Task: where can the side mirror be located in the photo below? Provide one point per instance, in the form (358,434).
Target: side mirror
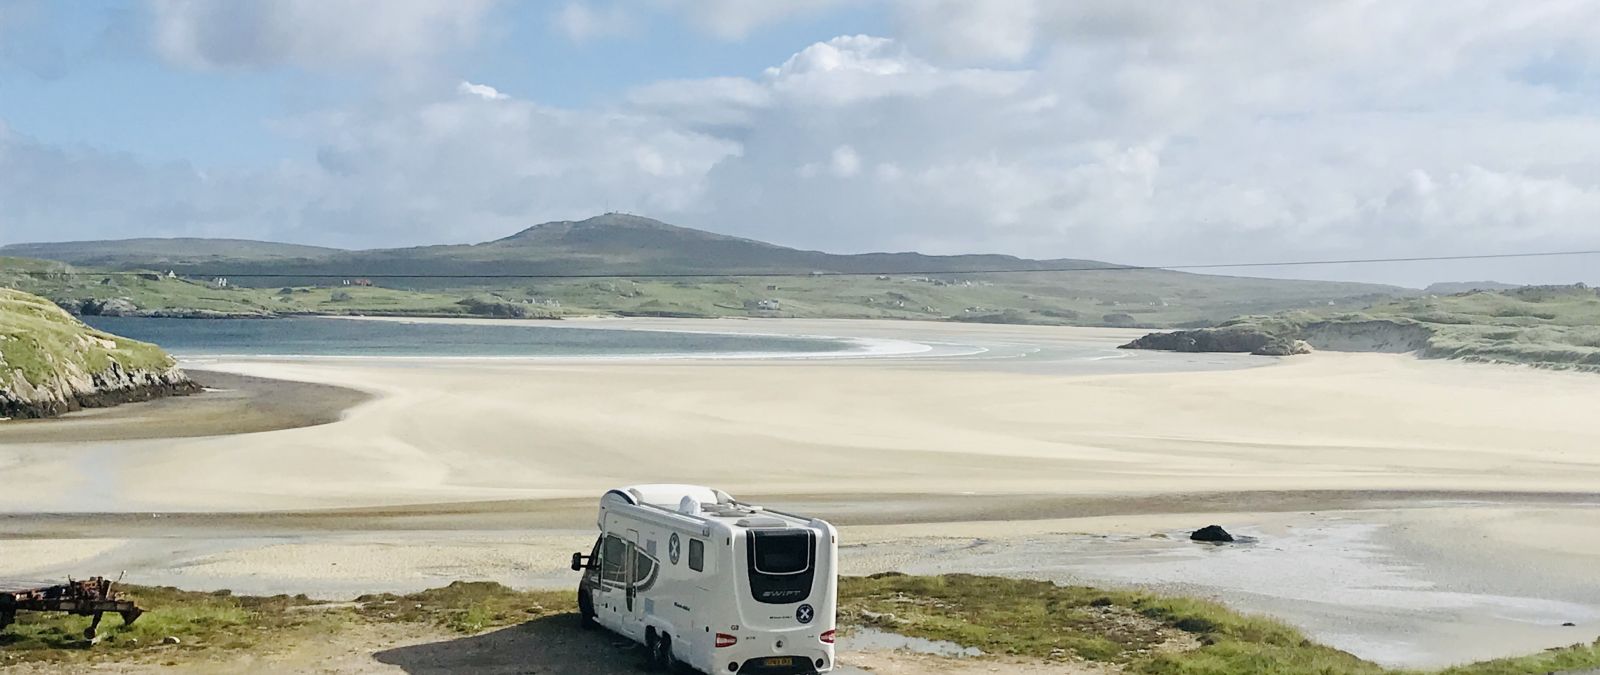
(580,562)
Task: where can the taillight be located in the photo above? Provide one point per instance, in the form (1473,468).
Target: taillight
(726,640)
(827,636)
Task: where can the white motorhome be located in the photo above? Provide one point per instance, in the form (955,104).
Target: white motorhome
(703,580)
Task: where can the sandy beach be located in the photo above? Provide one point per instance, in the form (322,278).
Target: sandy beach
(1471,485)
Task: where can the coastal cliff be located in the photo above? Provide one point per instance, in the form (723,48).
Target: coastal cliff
(51,363)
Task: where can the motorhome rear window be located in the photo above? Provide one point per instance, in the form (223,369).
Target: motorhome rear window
(781,565)
(697,555)
(782,551)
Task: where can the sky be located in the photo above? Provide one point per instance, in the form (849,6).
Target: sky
(1136,132)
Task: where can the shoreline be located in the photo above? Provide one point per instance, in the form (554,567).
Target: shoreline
(225,404)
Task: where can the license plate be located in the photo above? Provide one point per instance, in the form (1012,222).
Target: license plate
(778,661)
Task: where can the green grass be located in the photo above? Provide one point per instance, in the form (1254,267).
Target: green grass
(467,607)
(1139,632)
(42,341)
(200,621)
(1133,631)
(1545,326)
(1149,297)
(206,623)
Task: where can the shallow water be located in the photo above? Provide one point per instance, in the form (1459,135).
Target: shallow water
(1342,579)
(305,336)
(872,639)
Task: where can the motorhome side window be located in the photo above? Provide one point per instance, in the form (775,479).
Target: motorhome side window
(697,555)
(644,570)
(613,556)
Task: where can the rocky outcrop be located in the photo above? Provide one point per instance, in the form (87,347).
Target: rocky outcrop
(126,307)
(1287,338)
(74,390)
(494,307)
(191,313)
(1235,339)
(51,363)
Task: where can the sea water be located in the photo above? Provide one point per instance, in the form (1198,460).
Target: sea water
(310,336)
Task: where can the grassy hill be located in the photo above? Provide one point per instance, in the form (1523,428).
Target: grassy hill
(611,243)
(87,291)
(871,285)
(152,253)
(52,363)
(1545,326)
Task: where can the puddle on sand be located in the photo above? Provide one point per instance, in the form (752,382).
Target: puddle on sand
(872,639)
(1338,579)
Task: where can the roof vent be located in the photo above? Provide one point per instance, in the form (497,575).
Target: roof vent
(760,521)
(689,506)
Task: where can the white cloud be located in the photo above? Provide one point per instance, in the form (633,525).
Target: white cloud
(736,19)
(1130,132)
(311,34)
(1127,150)
(582,21)
(716,101)
(990,30)
(854,68)
(482,91)
(846,163)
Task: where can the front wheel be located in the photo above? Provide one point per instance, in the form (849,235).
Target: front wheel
(586,610)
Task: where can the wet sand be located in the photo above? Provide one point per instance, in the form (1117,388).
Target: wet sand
(230,404)
(1040,452)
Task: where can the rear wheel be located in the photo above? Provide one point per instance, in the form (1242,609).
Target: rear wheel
(661,654)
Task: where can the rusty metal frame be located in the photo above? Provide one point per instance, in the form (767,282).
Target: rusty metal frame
(92,597)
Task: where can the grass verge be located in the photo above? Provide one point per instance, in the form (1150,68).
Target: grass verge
(1131,631)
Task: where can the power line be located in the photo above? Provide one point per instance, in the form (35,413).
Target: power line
(723,275)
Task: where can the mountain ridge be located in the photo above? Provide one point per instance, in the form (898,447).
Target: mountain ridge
(613,243)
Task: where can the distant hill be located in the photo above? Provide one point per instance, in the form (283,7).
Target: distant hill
(1454,287)
(155,252)
(577,267)
(613,243)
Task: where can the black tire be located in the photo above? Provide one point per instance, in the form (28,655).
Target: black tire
(586,611)
(661,655)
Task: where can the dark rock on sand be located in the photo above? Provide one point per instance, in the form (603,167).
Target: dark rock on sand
(1211,533)
(1239,339)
